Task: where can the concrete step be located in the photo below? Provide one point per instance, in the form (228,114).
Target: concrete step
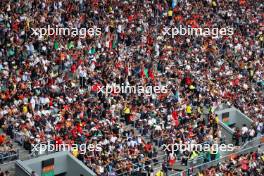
(156,166)
(23,154)
(10,167)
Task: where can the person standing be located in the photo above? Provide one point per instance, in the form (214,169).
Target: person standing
(244,133)
(82,77)
(236,137)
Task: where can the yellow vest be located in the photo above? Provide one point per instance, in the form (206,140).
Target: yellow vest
(170,13)
(262,157)
(159,173)
(127,110)
(217,119)
(25,109)
(194,155)
(191,87)
(75,152)
(261,38)
(189,109)
(200,174)
(214,4)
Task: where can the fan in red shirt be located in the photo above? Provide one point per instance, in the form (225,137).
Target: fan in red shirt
(2,139)
(148,147)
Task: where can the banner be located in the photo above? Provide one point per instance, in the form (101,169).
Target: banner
(225,118)
(48,167)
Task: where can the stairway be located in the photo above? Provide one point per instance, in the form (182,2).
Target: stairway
(161,154)
(23,154)
(10,167)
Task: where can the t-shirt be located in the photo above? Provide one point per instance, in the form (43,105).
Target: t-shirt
(194,155)
(159,173)
(170,13)
(126,110)
(148,147)
(189,109)
(25,109)
(75,152)
(2,139)
(244,130)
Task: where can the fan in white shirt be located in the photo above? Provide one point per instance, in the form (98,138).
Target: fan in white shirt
(244,129)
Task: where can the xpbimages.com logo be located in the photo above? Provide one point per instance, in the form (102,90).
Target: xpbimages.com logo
(127,89)
(214,32)
(50,147)
(73,32)
(213,148)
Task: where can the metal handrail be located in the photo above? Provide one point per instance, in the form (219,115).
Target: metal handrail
(211,163)
(9,157)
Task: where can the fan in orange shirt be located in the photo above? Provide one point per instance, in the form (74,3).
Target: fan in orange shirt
(242,2)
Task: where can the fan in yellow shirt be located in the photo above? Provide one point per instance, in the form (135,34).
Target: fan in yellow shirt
(214,4)
(75,152)
(25,109)
(200,174)
(194,155)
(159,173)
(217,119)
(188,109)
(170,12)
(126,110)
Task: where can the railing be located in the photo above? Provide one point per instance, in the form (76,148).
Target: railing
(199,161)
(203,166)
(253,142)
(159,159)
(135,165)
(8,156)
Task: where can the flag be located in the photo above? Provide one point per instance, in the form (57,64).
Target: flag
(70,45)
(142,73)
(110,44)
(92,51)
(146,73)
(56,45)
(114,45)
(151,74)
(175,118)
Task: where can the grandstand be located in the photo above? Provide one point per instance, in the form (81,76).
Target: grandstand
(121,82)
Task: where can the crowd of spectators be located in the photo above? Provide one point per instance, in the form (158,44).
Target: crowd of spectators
(49,84)
(247,164)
